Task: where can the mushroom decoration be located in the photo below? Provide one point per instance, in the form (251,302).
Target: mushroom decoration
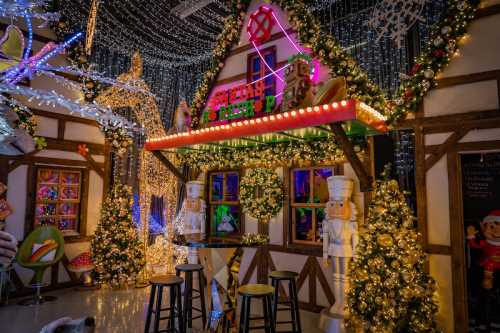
(83,264)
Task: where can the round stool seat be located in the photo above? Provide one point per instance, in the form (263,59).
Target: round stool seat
(283,275)
(255,290)
(166,280)
(188,267)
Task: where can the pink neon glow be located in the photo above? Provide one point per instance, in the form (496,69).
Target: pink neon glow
(265,62)
(315,73)
(286,34)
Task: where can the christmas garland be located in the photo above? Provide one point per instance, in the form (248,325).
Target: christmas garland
(301,153)
(119,139)
(442,45)
(326,48)
(27,121)
(263,207)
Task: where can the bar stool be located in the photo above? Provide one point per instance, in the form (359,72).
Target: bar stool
(292,302)
(173,283)
(187,304)
(263,292)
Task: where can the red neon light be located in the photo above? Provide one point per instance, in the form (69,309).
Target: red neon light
(260,25)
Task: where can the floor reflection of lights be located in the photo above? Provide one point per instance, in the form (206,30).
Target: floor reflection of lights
(116,311)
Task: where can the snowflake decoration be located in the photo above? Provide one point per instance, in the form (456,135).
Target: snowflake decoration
(393,18)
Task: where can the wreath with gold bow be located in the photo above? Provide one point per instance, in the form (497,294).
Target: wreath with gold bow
(261,194)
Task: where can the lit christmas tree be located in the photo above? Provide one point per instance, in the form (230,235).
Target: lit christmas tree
(389,290)
(116,249)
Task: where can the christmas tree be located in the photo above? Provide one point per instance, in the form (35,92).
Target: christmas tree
(390,290)
(116,249)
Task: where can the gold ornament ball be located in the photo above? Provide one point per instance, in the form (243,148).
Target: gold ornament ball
(385,240)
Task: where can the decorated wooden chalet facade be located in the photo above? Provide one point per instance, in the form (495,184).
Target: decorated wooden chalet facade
(62,184)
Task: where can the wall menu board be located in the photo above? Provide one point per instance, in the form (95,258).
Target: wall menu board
(481,196)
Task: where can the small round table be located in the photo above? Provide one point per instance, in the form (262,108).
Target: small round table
(220,263)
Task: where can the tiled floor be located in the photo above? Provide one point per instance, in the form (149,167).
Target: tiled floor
(121,311)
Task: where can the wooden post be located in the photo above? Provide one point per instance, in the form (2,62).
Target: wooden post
(169,165)
(365,181)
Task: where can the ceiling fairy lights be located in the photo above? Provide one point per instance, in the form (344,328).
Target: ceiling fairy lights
(163,37)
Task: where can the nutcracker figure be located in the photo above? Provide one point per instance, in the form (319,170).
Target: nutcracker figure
(192,214)
(340,235)
(490,246)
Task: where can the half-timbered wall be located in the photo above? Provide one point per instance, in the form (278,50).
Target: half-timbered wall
(63,133)
(460,115)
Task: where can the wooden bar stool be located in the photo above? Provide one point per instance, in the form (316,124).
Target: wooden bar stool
(173,283)
(291,303)
(187,304)
(263,292)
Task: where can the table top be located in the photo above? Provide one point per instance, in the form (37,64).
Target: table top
(209,242)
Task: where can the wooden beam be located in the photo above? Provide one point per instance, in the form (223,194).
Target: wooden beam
(457,240)
(466,79)
(365,180)
(438,249)
(72,146)
(487,11)
(66,117)
(421,184)
(439,124)
(61,128)
(98,168)
(445,147)
(169,165)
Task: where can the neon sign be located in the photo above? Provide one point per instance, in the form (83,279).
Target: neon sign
(244,100)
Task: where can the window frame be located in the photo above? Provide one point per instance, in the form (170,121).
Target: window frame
(82,202)
(263,69)
(211,204)
(337,169)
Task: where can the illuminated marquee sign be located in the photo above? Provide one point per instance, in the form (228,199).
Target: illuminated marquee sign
(238,102)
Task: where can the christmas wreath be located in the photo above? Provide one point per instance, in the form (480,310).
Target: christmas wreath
(261,194)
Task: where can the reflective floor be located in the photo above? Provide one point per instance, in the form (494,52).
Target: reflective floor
(121,311)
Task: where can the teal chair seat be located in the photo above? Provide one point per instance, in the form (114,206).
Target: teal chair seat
(38,236)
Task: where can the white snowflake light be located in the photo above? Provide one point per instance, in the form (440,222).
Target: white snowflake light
(393,18)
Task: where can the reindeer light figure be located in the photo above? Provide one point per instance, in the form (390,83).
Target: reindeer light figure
(154,178)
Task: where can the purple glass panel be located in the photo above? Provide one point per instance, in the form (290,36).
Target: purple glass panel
(69,192)
(48,209)
(47,192)
(217,187)
(304,224)
(72,178)
(67,224)
(301,186)
(231,192)
(48,176)
(68,209)
(321,185)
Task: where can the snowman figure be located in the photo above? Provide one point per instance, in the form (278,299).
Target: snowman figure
(192,215)
(340,235)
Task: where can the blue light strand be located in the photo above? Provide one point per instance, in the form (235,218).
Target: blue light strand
(29,25)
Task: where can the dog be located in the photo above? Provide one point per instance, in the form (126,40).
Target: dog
(69,325)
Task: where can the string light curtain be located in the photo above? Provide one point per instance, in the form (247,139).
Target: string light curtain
(383,61)
(177,51)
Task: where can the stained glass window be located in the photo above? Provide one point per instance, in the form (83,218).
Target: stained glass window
(58,198)
(309,196)
(224,204)
(257,69)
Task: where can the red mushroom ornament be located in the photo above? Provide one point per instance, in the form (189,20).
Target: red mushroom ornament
(83,264)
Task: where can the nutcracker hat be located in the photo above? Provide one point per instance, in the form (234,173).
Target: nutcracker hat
(195,187)
(493,216)
(340,187)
